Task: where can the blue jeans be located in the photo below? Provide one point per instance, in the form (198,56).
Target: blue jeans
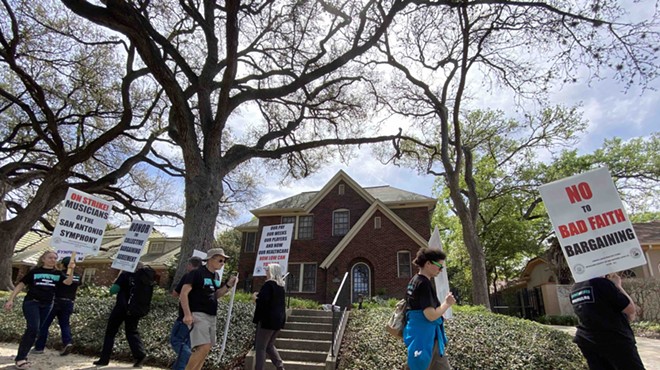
(35,313)
(62,309)
(180,341)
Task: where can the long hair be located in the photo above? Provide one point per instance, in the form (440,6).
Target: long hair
(40,262)
(275,272)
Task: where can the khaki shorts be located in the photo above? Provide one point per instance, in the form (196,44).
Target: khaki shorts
(203,330)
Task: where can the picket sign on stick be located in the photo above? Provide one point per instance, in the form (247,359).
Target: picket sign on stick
(231,306)
(69,270)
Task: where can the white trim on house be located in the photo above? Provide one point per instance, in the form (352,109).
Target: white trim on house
(341,175)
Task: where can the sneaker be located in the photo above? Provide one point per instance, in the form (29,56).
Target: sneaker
(101,363)
(138,363)
(66,350)
(37,351)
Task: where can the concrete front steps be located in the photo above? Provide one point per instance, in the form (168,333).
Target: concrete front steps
(304,343)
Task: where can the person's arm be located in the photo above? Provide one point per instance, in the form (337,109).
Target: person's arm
(17,289)
(433,314)
(185,304)
(225,288)
(630,310)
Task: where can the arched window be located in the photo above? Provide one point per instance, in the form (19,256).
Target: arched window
(627,274)
(360,281)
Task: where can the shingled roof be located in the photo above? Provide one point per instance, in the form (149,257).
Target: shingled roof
(648,232)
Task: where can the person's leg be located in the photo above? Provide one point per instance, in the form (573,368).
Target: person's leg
(595,360)
(64,320)
(180,341)
(439,362)
(115,319)
(32,310)
(272,351)
(40,344)
(198,356)
(625,357)
(133,338)
(260,343)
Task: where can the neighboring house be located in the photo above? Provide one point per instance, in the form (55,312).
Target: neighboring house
(96,269)
(541,295)
(373,233)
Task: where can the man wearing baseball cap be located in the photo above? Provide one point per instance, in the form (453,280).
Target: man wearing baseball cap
(199,301)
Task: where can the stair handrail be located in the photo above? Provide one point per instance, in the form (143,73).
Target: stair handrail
(341,307)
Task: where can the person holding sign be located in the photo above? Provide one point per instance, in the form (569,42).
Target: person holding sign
(424,333)
(41,283)
(130,288)
(62,309)
(199,301)
(270,317)
(604,335)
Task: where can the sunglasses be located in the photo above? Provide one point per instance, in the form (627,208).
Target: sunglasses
(440,265)
(220,260)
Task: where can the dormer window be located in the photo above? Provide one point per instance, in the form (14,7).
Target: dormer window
(156,247)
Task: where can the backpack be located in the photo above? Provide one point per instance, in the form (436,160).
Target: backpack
(141,290)
(397,321)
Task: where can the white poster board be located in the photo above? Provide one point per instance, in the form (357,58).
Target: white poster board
(592,227)
(132,246)
(81,223)
(442,280)
(274,246)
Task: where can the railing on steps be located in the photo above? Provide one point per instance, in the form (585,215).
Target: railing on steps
(339,306)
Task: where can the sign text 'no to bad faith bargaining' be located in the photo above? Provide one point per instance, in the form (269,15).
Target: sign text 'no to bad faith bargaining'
(591,225)
(81,223)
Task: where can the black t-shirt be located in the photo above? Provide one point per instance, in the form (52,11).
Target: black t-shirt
(68,291)
(178,291)
(420,293)
(41,283)
(202,295)
(123,281)
(598,304)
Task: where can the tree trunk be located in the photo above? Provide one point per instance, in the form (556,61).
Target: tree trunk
(477,264)
(203,195)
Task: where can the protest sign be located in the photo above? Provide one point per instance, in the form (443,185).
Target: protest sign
(273,247)
(61,253)
(592,227)
(131,247)
(442,280)
(81,223)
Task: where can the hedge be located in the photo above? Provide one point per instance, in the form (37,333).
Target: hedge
(477,340)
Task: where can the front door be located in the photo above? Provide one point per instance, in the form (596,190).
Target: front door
(360,282)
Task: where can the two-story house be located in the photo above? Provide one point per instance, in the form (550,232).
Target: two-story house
(373,233)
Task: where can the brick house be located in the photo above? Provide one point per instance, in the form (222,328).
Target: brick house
(159,252)
(372,233)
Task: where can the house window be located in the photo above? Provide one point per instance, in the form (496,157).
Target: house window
(88,275)
(340,222)
(403,261)
(250,241)
(306,227)
(361,279)
(156,247)
(376,222)
(341,189)
(301,278)
(289,220)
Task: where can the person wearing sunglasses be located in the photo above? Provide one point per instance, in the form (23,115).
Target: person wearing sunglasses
(199,300)
(424,332)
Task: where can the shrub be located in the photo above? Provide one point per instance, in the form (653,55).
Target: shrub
(478,339)
(565,320)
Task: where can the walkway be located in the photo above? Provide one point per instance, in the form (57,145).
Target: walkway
(649,349)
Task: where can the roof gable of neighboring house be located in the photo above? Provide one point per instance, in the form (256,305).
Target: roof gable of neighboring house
(376,206)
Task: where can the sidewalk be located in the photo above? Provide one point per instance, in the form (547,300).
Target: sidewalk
(51,360)
(649,349)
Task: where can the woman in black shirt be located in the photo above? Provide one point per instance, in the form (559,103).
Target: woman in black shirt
(41,282)
(270,316)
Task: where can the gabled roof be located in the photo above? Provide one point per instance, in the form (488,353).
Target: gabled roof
(305,202)
(377,205)
(648,232)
